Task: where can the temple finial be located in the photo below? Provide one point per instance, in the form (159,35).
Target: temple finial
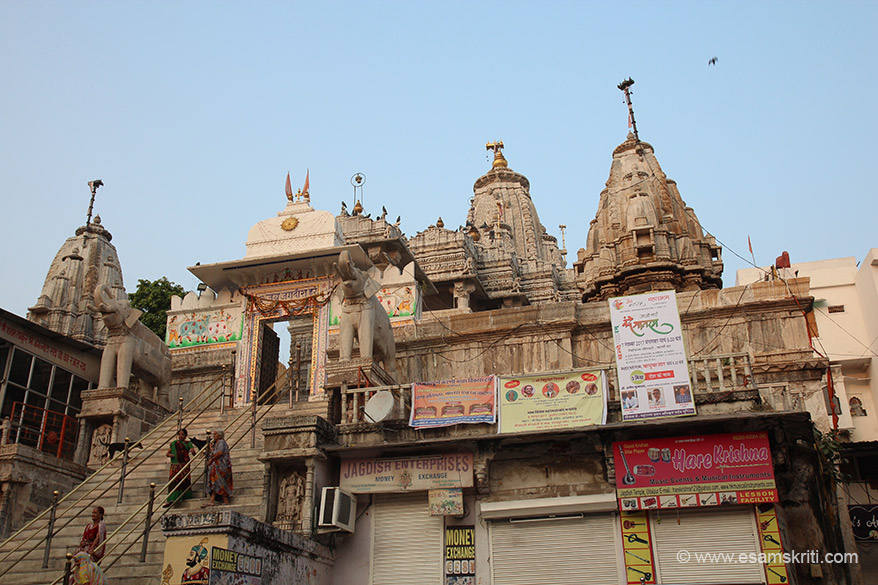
(499,159)
(93,187)
(625,86)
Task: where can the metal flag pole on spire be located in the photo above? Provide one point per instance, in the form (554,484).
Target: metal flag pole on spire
(93,186)
(625,86)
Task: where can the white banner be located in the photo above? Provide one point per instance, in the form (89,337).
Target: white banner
(650,357)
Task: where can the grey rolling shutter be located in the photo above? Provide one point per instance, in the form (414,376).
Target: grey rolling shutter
(406,541)
(574,551)
(720,534)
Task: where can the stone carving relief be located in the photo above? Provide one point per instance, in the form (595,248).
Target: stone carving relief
(289,501)
(101,437)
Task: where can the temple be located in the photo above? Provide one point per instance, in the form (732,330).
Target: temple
(458,406)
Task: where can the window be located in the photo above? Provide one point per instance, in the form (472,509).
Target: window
(836,308)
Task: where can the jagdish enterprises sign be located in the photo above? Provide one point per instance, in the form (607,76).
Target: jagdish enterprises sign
(364,476)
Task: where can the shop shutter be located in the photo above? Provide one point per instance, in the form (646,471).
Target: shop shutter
(406,541)
(715,531)
(572,551)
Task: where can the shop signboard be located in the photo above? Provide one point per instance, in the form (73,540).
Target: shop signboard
(407,474)
(864,521)
(447,502)
(452,402)
(650,356)
(553,401)
(460,555)
(228,567)
(690,472)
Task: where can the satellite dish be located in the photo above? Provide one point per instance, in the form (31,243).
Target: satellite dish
(380,406)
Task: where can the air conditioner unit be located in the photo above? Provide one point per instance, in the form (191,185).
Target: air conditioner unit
(338,510)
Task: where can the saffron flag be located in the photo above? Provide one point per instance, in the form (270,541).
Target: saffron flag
(307,185)
(750,245)
(289,188)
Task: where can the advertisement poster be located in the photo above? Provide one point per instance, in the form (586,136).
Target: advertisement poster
(365,476)
(460,555)
(690,472)
(553,401)
(452,402)
(864,521)
(637,546)
(650,357)
(446,502)
(228,567)
(772,546)
(187,559)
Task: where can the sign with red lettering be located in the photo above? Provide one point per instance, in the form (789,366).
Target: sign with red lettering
(690,472)
(650,356)
(365,476)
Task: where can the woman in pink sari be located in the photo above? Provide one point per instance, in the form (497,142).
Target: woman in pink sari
(219,476)
(94,535)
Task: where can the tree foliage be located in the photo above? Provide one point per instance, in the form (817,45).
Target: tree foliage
(154,299)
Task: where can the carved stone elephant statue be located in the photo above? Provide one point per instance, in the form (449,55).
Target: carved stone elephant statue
(131,346)
(363,316)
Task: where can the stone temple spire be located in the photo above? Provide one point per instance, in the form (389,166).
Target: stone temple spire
(643,236)
(503,210)
(66,302)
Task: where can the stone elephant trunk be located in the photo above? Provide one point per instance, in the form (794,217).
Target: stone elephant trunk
(363,316)
(131,347)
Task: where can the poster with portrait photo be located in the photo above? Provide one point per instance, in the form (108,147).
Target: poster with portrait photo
(650,356)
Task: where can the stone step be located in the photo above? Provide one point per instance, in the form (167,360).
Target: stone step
(146,465)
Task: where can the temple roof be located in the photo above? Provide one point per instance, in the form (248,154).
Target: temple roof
(65,304)
(643,236)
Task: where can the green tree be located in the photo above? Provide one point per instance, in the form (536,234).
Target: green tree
(154,299)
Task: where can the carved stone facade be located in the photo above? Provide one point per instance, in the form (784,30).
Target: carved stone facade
(503,257)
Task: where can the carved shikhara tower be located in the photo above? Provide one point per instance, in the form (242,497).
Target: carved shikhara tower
(503,257)
(66,303)
(643,236)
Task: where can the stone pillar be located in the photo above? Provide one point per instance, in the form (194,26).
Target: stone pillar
(83,442)
(308,504)
(462,292)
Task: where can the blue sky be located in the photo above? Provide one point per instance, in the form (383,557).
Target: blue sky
(193,112)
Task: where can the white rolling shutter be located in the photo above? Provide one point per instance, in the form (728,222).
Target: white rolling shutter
(573,551)
(720,534)
(407,546)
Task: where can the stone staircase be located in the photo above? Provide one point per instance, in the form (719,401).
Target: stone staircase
(147,465)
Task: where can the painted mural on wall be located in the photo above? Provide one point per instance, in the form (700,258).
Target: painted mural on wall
(204,327)
(400,302)
(187,559)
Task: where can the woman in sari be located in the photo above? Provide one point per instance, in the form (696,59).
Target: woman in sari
(180,452)
(93,535)
(219,478)
(85,571)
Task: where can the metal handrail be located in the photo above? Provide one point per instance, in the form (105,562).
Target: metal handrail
(196,402)
(270,393)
